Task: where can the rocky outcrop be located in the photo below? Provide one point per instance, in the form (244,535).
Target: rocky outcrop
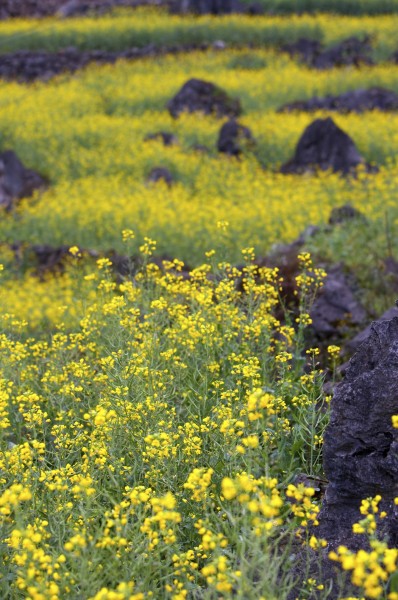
(205,7)
(351,51)
(29,66)
(358,101)
(64,8)
(360,443)
(324,146)
(197,95)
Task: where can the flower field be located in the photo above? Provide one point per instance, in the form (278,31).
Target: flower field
(154,426)
(62,128)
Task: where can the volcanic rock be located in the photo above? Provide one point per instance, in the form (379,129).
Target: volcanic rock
(44,8)
(357,101)
(324,145)
(160,174)
(304,48)
(336,308)
(16,181)
(354,344)
(351,51)
(197,95)
(50,258)
(168,139)
(344,213)
(255,9)
(360,459)
(233,136)
(74,8)
(360,443)
(204,7)
(28,66)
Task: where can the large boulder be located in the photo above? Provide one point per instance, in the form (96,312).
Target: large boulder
(234,137)
(360,443)
(197,95)
(16,181)
(324,146)
(358,101)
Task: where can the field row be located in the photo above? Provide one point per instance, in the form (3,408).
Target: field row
(86,135)
(122,30)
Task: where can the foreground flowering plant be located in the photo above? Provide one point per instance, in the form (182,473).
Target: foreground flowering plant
(148,444)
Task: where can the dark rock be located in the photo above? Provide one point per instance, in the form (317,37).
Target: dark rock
(197,95)
(324,145)
(358,101)
(50,258)
(304,48)
(160,174)
(28,65)
(234,137)
(360,443)
(74,8)
(255,9)
(45,8)
(360,459)
(336,309)
(351,51)
(16,181)
(354,344)
(168,139)
(284,257)
(342,214)
(204,7)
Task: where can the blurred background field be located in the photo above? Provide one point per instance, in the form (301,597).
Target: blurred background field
(123,28)
(85,133)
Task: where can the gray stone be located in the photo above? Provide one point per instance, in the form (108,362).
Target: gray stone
(351,51)
(160,174)
(336,306)
(204,7)
(168,139)
(234,137)
(344,213)
(354,344)
(324,146)
(360,443)
(358,101)
(197,95)
(16,181)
